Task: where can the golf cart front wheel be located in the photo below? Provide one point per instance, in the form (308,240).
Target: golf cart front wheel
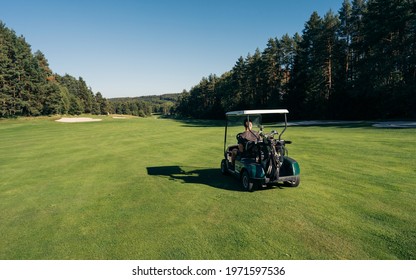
(293,183)
(246,181)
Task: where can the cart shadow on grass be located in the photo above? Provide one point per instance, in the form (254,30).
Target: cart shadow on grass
(193,175)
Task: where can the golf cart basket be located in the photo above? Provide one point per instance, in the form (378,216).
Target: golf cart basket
(264,161)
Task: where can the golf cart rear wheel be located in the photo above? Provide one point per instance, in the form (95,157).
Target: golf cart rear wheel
(246,181)
(224,169)
(293,183)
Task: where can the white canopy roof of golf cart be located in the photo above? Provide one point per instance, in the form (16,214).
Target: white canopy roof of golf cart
(257,112)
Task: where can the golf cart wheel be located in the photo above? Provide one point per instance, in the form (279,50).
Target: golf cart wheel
(293,183)
(246,182)
(224,169)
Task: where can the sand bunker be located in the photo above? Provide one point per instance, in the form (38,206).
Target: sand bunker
(76,120)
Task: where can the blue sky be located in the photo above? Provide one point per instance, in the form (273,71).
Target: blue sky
(132,48)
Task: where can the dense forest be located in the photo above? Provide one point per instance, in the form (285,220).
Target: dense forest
(357,64)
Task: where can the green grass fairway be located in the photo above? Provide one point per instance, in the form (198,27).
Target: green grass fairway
(152,189)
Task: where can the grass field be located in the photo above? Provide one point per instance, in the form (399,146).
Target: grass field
(152,189)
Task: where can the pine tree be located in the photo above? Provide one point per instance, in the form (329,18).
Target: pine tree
(271,75)
(387,27)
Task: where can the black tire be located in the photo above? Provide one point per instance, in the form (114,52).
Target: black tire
(224,169)
(246,182)
(293,183)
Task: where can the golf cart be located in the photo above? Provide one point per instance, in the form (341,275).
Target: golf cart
(262,162)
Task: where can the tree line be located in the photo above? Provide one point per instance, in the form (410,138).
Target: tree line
(357,64)
(144,105)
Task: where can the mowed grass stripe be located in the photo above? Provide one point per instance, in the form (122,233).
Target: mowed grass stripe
(151,189)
